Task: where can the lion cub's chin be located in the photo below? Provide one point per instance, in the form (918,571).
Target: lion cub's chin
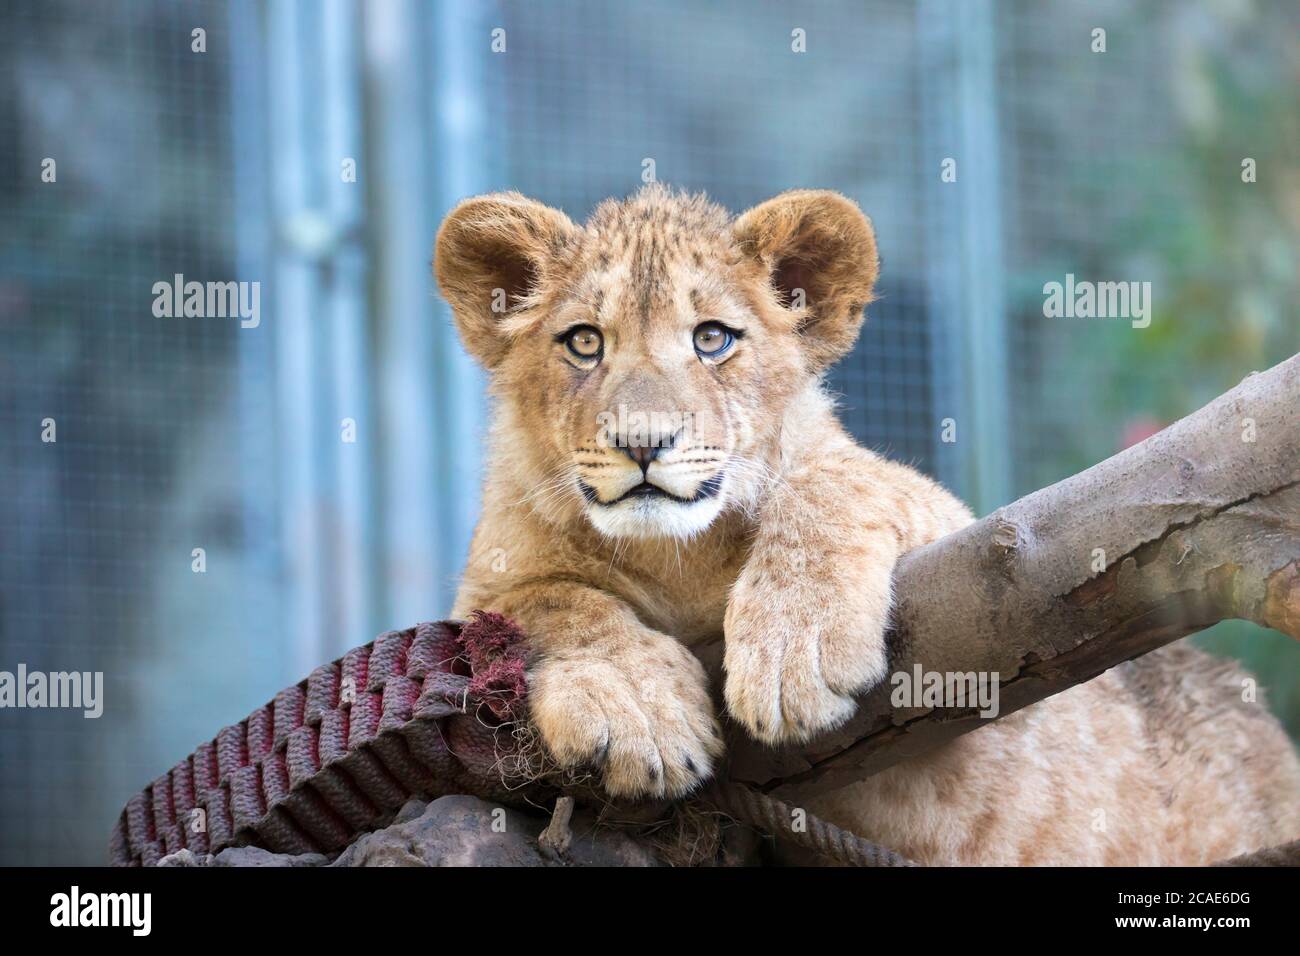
(654,517)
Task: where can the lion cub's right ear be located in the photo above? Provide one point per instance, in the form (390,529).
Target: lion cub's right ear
(491,253)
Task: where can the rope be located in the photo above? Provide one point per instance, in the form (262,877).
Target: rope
(778,818)
(336,755)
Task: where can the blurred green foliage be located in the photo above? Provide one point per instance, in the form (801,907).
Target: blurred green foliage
(1226,301)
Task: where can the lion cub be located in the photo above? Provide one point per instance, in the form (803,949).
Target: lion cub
(665,467)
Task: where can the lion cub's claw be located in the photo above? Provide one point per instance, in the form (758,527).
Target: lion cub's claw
(654,737)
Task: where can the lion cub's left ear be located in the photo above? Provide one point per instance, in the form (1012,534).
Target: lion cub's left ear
(493,252)
(819,242)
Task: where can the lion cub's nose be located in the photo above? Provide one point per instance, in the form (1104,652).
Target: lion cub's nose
(642,454)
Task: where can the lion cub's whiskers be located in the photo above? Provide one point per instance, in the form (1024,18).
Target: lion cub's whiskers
(550,491)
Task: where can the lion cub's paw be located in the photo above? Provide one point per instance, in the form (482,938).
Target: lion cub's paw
(795,660)
(649,728)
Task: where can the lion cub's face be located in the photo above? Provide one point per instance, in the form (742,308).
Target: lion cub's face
(645,360)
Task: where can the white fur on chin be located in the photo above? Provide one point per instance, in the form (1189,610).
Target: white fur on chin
(654,517)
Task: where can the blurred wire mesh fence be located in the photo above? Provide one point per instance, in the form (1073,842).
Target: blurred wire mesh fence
(231,163)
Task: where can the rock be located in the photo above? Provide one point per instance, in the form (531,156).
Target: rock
(185,858)
(410,810)
(452,831)
(242,856)
(256,856)
(467,831)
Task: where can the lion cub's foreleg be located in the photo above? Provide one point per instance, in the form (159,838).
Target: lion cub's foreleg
(606,691)
(805,624)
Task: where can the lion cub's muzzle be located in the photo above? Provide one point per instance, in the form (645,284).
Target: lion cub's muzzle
(651,484)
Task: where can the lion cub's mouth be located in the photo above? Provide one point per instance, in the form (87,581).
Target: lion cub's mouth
(708,489)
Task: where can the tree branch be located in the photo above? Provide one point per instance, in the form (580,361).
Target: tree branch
(1195,525)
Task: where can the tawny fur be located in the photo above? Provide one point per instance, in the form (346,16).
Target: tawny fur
(1157,761)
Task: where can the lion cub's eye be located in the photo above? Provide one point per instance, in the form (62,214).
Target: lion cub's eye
(584,342)
(713,339)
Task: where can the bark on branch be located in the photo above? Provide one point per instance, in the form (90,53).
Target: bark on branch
(1195,525)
